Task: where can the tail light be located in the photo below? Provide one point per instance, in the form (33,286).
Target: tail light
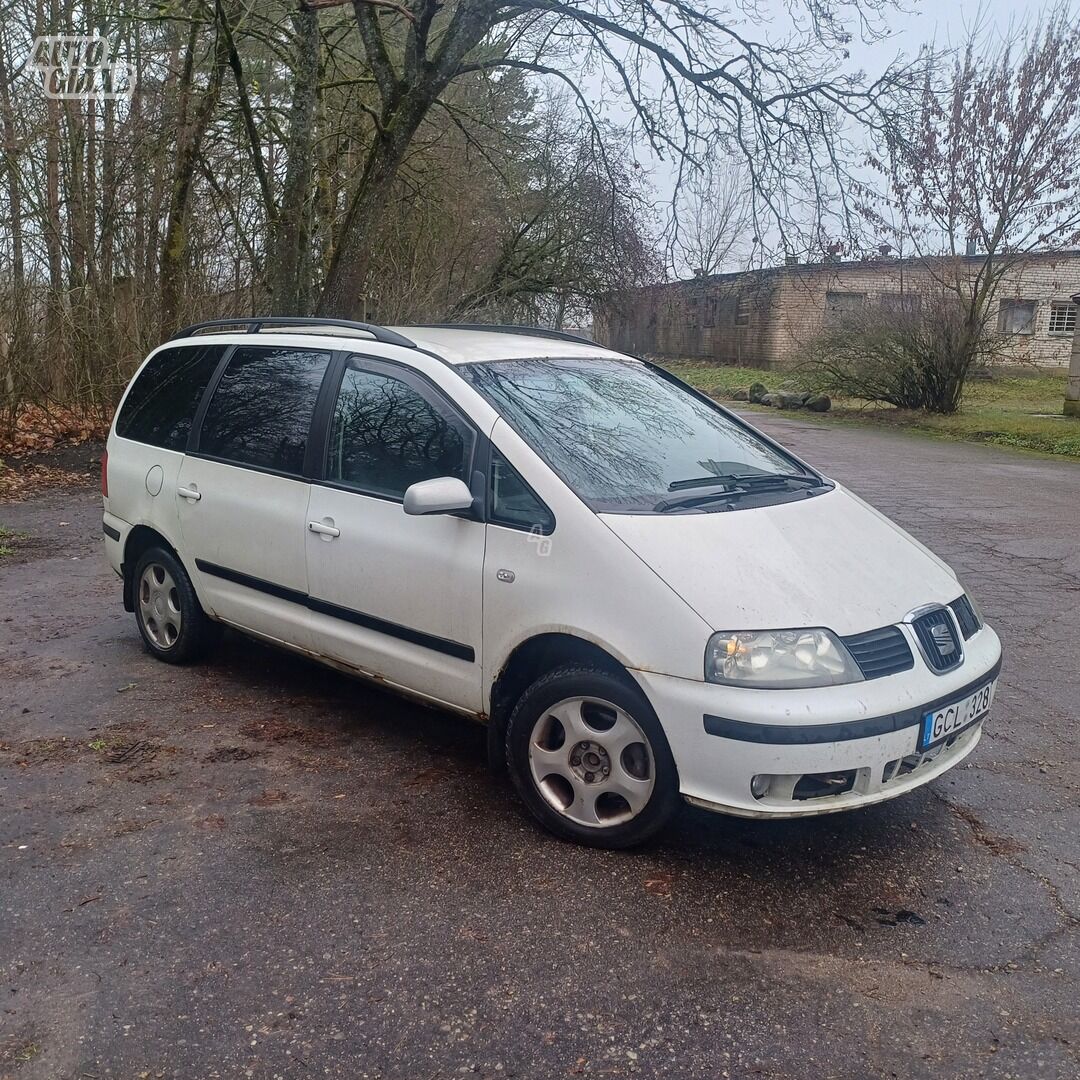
(105,473)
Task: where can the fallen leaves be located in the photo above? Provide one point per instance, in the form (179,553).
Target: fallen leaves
(37,430)
(659,884)
(16,485)
(50,433)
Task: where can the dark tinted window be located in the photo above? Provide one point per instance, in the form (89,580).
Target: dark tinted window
(261,410)
(386,435)
(513,502)
(159,408)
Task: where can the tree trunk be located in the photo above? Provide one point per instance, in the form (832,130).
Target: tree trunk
(344,294)
(16,346)
(108,204)
(174,246)
(54,351)
(290,265)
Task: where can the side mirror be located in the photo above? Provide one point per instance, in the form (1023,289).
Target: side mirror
(438,496)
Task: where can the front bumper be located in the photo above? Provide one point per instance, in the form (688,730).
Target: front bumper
(724,736)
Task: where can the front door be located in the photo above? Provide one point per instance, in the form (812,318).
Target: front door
(241,494)
(396,596)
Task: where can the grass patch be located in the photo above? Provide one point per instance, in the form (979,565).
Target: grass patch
(1002,411)
(722,382)
(7,535)
(17,1051)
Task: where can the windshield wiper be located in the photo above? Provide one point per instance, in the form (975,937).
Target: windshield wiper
(731,486)
(740,479)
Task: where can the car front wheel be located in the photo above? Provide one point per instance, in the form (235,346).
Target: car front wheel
(589,758)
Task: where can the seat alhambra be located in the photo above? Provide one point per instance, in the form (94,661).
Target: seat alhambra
(643,597)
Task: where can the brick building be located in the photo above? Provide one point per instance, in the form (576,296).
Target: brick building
(763,318)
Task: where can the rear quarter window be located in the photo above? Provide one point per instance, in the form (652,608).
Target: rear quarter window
(162,401)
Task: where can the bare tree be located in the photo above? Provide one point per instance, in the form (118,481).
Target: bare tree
(985,170)
(400,159)
(691,78)
(713,216)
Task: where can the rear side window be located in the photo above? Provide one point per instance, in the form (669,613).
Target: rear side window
(261,410)
(161,403)
(386,435)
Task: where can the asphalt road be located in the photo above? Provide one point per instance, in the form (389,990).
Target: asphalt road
(258,868)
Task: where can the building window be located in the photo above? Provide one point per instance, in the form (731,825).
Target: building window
(711,304)
(743,307)
(1016,317)
(900,303)
(841,306)
(1063,319)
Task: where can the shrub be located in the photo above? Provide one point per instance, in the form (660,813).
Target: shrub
(913,359)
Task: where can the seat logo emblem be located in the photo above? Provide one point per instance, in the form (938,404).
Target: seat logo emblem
(943,640)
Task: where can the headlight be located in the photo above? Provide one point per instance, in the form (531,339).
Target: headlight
(779,658)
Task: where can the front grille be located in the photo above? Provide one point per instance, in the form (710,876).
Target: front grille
(936,634)
(965,616)
(880,652)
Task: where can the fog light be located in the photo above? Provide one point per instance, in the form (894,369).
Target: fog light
(759,786)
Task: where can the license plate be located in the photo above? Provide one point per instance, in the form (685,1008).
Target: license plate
(949,720)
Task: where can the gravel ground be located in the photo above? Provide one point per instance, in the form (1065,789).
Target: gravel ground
(260,868)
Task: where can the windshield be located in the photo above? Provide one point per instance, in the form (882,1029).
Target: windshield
(623,436)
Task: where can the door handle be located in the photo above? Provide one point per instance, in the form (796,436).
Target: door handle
(323,530)
(191,493)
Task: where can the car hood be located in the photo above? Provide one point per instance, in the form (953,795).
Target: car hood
(831,561)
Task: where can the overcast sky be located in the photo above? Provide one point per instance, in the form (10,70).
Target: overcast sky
(946,22)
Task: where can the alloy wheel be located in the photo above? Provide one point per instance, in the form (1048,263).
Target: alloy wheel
(159,606)
(591,762)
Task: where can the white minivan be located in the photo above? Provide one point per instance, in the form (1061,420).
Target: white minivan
(643,597)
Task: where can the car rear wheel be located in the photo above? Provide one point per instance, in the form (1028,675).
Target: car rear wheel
(172,623)
(589,758)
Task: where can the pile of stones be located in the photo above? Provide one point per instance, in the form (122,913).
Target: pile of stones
(781,399)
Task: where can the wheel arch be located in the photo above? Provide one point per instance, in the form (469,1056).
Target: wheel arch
(529,660)
(140,539)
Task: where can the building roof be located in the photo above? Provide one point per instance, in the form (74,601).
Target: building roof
(876,262)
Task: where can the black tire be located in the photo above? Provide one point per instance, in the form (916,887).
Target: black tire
(580,681)
(195,635)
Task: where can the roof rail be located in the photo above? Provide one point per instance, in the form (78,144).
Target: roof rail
(495,328)
(249,325)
